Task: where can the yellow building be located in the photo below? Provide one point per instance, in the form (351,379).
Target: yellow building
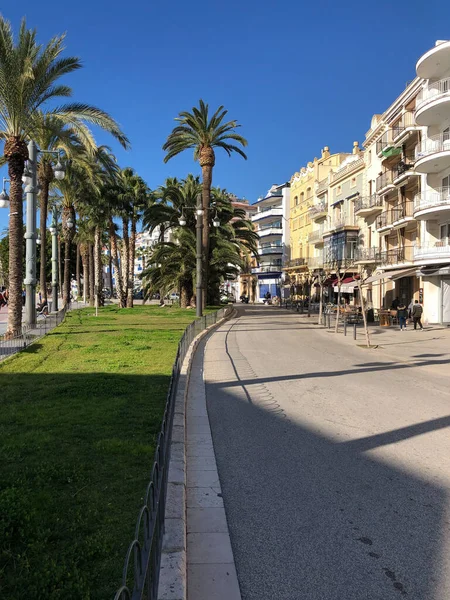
(304,185)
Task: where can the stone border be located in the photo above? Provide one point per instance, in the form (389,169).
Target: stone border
(173,571)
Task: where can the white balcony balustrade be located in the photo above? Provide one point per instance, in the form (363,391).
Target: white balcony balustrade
(433,103)
(432,204)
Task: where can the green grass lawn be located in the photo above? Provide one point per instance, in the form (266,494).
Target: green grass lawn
(79,415)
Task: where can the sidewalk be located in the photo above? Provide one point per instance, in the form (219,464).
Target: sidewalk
(404,346)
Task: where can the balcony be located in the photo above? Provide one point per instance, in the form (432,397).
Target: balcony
(368,205)
(316,237)
(404,170)
(270,249)
(272,229)
(434,63)
(433,103)
(296,262)
(402,213)
(385,142)
(318,211)
(315,262)
(322,186)
(397,256)
(438,251)
(385,182)
(384,221)
(432,204)
(404,129)
(344,222)
(267,213)
(267,268)
(433,154)
(367,255)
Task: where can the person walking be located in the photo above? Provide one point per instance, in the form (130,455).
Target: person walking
(402,313)
(417,311)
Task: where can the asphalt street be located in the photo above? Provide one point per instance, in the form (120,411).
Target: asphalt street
(334,463)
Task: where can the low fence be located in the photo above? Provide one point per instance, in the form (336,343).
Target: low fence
(140,574)
(31,333)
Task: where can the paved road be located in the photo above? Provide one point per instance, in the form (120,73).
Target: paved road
(334,463)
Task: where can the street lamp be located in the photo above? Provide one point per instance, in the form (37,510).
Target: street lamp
(55,274)
(4,198)
(31,189)
(199,211)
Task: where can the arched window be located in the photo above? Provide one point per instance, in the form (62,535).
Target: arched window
(308,193)
(296,201)
(302,197)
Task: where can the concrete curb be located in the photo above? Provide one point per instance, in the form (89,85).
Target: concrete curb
(173,572)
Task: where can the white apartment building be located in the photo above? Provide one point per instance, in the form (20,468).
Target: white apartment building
(272,224)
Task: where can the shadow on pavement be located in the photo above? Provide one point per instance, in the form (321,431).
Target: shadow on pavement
(314,519)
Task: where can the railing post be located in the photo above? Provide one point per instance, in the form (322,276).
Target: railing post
(354,331)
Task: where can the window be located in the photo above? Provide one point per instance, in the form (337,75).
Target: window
(302,198)
(445,234)
(369,157)
(353,182)
(446,186)
(339,190)
(308,193)
(296,201)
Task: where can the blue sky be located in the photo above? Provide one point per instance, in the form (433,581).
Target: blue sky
(296,75)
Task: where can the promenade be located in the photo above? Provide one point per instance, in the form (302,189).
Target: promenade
(333,460)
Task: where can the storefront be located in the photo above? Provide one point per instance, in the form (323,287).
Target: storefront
(436,293)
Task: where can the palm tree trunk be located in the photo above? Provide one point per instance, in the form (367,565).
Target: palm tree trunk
(206,199)
(78,270)
(91,276)
(125,262)
(115,258)
(131,258)
(98,266)
(110,269)
(43,206)
(15,170)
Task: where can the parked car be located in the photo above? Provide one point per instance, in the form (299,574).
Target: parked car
(138,294)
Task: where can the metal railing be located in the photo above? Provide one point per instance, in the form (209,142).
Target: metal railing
(28,334)
(407,121)
(405,165)
(271,249)
(275,225)
(397,255)
(366,202)
(385,141)
(384,180)
(322,185)
(268,268)
(369,254)
(140,575)
(432,198)
(433,91)
(273,211)
(315,236)
(296,262)
(433,144)
(354,165)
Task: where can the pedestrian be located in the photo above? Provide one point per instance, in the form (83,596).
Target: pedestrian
(417,311)
(395,303)
(402,313)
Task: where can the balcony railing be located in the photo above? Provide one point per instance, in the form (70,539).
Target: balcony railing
(354,165)
(406,122)
(296,262)
(366,202)
(343,221)
(384,180)
(272,211)
(433,91)
(315,262)
(405,165)
(316,236)
(267,268)
(318,208)
(396,256)
(367,254)
(276,225)
(271,249)
(322,186)
(396,214)
(385,141)
(432,198)
(433,144)
(429,250)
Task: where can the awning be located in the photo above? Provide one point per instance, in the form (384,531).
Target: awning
(432,271)
(390,275)
(347,285)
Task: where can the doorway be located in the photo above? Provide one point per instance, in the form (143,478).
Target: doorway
(446,300)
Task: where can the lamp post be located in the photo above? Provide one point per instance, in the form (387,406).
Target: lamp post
(29,178)
(55,259)
(199,211)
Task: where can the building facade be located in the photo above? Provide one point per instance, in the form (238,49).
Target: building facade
(272,225)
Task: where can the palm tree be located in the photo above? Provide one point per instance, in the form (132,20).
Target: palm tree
(197,131)
(29,75)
